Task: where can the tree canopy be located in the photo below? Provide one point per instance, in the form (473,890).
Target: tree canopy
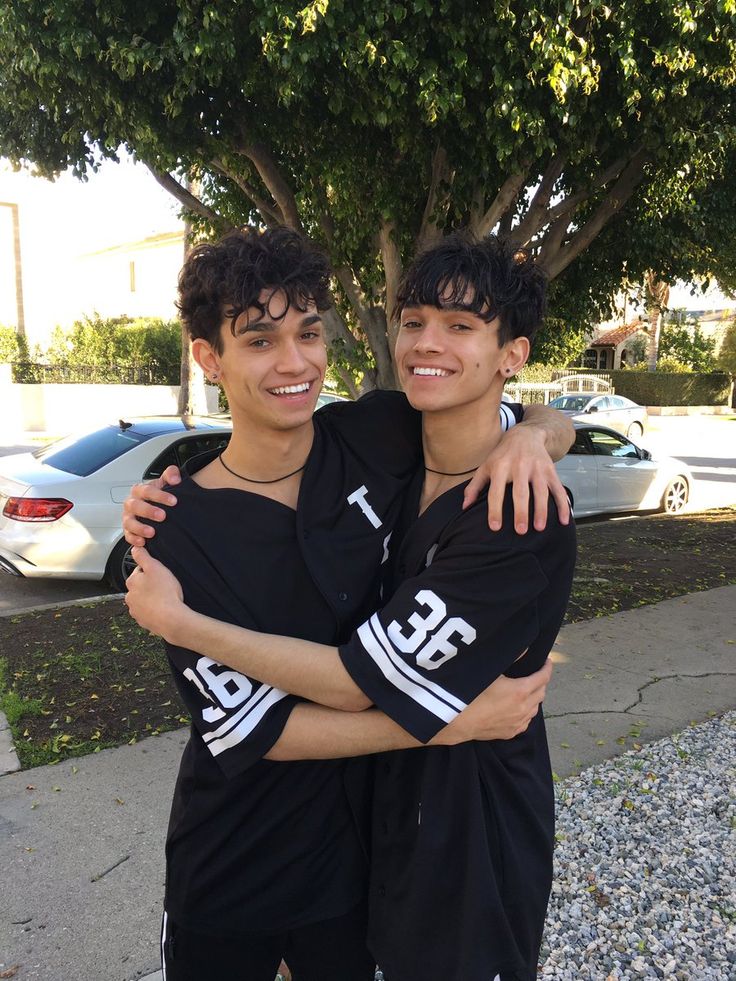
(599,135)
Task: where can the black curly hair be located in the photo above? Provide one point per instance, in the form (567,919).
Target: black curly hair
(224,279)
(485,276)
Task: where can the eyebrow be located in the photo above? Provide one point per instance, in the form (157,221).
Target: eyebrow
(264,324)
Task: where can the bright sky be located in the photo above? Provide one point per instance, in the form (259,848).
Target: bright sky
(66,218)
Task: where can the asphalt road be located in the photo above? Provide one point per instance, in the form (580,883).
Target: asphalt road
(706,443)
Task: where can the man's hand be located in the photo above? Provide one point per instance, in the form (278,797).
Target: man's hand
(154,598)
(523,457)
(137,506)
(502,711)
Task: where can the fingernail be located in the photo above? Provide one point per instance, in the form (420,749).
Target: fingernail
(521,529)
(495,526)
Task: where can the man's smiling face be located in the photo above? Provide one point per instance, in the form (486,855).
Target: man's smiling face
(273,364)
(448,356)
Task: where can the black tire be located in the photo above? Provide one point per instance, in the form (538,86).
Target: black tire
(635,430)
(676,495)
(119,566)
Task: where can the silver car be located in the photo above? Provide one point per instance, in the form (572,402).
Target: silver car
(606,473)
(615,411)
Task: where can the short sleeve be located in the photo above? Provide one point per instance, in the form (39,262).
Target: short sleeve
(237,718)
(449,632)
(510,413)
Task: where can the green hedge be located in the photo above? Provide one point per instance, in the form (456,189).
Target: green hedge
(669,388)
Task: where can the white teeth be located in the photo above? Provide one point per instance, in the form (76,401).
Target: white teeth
(290,389)
(437,372)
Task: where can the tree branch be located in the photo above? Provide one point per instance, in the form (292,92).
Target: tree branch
(187,199)
(438,201)
(268,211)
(613,203)
(535,217)
(501,203)
(392,268)
(268,170)
(570,203)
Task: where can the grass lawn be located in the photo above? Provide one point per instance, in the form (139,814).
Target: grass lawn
(81,678)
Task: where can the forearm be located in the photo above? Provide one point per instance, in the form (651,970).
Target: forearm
(301,667)
(554,427)
(314,732)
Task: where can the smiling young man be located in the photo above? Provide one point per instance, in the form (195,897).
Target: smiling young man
(284,531)
(462,841)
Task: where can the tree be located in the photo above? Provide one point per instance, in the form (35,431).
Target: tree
(375,128)
(727,358)
(686,343)
(657,293)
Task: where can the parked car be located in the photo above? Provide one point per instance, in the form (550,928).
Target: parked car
(325,398)
(61,505)
(606,473)
(610,410)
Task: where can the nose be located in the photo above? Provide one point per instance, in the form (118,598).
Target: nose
(291,359)
(428,340)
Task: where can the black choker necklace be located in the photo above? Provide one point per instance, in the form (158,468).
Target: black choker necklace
(444,473)
(251,480)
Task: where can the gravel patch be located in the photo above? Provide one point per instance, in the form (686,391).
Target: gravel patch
(645,875)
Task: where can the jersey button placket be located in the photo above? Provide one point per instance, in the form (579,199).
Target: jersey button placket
(342,597)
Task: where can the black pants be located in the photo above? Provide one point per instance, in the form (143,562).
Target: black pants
(332,950)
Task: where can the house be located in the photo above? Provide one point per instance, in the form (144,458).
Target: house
(610,347)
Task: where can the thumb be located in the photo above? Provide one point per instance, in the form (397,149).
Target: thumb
(141,557)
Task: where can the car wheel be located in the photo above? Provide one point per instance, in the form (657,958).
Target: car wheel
(635,430)
(675,496)
(119,566)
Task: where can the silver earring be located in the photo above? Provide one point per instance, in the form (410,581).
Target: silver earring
(214,376)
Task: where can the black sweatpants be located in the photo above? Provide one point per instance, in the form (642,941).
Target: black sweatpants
(331,950)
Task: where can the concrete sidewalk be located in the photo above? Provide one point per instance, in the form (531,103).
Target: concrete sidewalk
(81,843)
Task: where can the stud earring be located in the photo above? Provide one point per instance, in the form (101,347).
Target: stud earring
(214,376)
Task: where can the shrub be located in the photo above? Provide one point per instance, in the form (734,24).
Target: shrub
(671,388)
(8,344)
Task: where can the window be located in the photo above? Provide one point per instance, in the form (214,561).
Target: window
(581,446)
(185,450)
(83,455)
(590,358)
(609,444)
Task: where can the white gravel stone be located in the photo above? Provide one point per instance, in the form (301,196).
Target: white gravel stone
(645,867)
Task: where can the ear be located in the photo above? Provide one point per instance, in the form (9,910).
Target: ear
(207,358)
(516,355)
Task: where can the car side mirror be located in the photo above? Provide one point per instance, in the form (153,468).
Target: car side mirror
(645,454)
(592,408)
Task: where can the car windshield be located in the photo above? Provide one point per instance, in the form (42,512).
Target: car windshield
(571,402)
(82,455)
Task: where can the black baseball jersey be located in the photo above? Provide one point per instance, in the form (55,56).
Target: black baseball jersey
(462,836)
(255,844)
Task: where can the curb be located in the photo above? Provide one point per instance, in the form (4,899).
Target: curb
(84,601)
(9,762)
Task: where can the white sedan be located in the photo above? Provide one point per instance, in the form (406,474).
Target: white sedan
(61,505)
(605,472)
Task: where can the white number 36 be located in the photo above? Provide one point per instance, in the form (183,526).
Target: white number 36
(432,634)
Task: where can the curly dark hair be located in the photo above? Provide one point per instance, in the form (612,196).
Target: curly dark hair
(224,279)
(485,276)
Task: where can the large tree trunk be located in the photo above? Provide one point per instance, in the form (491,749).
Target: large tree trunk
(657,297)
(192,395)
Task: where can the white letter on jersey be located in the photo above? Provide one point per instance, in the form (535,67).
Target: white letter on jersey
(437,613)
(358,497)
(439,642)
